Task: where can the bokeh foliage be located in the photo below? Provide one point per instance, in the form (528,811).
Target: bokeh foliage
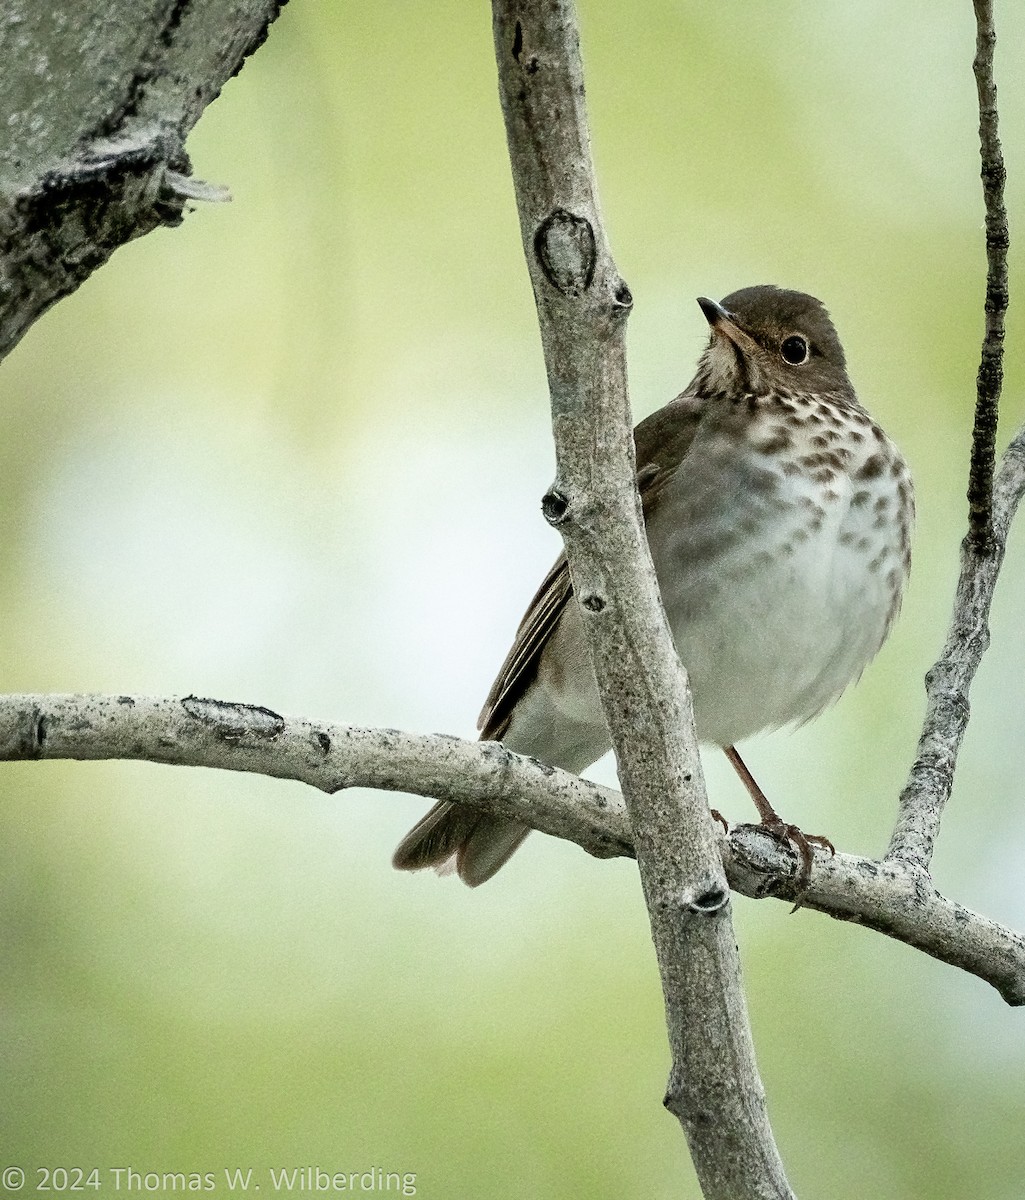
(292,453)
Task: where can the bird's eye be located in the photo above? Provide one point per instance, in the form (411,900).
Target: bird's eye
(794,351)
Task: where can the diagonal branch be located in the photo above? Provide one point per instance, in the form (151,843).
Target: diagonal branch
(991,509)
(893,898)
(948,681)
(582,303)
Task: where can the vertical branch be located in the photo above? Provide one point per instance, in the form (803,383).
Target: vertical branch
(582,304)
(991,367)
(931,779)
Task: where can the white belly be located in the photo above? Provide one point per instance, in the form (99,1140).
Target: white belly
(777,590)
(777,623)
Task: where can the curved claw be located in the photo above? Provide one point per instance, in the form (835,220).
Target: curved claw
(781,830)
(802,842)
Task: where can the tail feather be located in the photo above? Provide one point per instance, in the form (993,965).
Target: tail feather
(435,837)
(488,848)
(478,844)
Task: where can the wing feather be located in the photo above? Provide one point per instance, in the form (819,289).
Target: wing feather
(662,442)
(520,666)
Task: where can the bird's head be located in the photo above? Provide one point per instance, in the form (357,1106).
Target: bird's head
(766,339)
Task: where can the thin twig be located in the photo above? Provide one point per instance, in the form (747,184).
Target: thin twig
(948,681)
(991,507)
(991,367)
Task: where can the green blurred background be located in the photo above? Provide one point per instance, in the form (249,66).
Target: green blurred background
(292,453)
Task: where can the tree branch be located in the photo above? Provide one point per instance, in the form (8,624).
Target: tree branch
(991,367)
(991,509)
(196,732)
(105,163)
(889,897)
(948,681)
(582,303)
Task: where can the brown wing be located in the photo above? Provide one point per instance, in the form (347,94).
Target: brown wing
(521,662)
(661,441)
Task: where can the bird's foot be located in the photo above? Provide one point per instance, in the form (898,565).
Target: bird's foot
(782,831)
(790,835)
(717,816)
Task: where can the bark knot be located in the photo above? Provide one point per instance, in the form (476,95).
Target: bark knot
(566,252)
(554,506)
(232,722)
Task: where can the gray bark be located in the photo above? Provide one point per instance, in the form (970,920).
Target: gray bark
(888,896)
(98,98)
(714,1087)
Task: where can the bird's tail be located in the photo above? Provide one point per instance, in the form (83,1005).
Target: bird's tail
(457,837)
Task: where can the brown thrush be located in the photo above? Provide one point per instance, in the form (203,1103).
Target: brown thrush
(779,517)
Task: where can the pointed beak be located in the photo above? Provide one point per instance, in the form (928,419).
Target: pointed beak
(714,312)
(721,323)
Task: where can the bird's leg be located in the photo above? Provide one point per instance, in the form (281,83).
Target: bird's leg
(774,824)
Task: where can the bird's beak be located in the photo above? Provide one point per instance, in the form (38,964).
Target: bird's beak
(713,310)
(723,324)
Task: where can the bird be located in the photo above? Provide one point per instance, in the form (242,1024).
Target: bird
(779,517)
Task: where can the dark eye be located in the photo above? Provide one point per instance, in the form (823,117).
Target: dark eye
(794,351)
